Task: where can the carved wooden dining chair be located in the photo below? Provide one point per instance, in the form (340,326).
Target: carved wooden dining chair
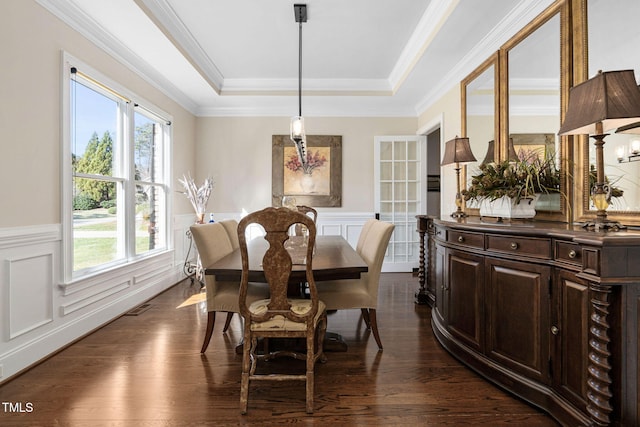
(280,316)
(310,212)
(362,293)
(213,243)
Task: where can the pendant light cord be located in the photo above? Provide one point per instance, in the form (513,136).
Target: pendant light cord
(300,69)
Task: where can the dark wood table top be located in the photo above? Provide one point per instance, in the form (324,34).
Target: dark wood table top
(334,258)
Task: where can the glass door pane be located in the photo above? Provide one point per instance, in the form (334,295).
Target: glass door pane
(400,177)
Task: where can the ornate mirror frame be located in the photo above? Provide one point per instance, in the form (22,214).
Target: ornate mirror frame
(561,9)
(500,62)
(478,147)
(583,144)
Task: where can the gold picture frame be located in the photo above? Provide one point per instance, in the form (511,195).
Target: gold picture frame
(319,184)
(540,144)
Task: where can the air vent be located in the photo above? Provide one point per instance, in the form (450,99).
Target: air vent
(138,310)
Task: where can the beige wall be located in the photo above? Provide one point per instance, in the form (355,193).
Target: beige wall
(446,109)
(237,153)
(32,41)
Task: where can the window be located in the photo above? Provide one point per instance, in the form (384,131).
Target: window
(115,174)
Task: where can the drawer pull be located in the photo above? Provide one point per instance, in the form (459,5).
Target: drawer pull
(572,254)
(555,330)
(460,239)
(514,245)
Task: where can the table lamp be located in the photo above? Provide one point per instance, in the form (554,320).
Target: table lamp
(608,101)
(458,151)
(490,156)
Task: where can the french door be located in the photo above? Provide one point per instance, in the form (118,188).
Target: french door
(400,195)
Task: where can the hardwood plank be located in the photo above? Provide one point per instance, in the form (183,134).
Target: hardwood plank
(146,370)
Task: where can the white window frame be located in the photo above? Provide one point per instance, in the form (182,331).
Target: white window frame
(127,177)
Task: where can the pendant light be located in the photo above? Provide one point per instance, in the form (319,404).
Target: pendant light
(297,122)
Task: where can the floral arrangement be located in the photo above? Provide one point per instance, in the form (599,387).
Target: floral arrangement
(520,179)
(198,196)
(313,161)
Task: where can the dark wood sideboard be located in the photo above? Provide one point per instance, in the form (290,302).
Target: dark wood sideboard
(548,311)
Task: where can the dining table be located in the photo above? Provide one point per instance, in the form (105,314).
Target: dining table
(333,259)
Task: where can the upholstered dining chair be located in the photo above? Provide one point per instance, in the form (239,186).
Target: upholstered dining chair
(362,293)
(231,226)
(280,316)
(213,243)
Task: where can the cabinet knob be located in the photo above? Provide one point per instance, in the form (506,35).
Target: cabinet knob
(555,330)
(572,254)
(460,239)
(514,245)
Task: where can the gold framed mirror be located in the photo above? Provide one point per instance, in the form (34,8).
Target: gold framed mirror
(511,101)
(480,106)
(608,48)
(533,99)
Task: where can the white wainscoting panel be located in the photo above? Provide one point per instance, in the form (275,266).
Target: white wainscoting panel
(30,285)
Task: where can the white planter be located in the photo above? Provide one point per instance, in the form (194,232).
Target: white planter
(504,207)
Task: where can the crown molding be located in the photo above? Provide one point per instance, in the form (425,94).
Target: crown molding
(319,87)
(428,27)
(521,15)
(170,24)
(70,14)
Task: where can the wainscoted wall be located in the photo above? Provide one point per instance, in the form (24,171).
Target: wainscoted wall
(39,315)
(347,225)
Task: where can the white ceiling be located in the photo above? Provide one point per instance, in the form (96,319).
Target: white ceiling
(240,58)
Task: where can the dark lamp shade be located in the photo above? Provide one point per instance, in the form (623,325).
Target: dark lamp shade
(611,98)
(491,153)
(457,151)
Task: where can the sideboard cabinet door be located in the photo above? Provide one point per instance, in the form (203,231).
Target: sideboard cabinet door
(570,335)
(440,282)
(465,288)
(518,310)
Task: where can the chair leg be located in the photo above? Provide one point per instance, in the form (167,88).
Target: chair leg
(311,360)
(228,321)
(374,327)
(320,333)
(248,366)
(211,320)
(365,316)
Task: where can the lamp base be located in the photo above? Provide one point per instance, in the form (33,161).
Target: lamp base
(605,225)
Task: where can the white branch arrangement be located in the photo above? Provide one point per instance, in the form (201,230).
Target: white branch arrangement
(198,196)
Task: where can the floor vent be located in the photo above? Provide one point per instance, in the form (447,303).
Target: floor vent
(138,310)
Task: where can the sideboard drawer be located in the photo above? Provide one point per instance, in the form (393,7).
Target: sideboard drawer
(440,232)
(467,238)
(530,246)
(569,252)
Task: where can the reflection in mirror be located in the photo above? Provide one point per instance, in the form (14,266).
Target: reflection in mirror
(534,99)
(480,118)
(615,47)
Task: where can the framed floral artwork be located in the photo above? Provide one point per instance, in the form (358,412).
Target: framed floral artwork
(319,182)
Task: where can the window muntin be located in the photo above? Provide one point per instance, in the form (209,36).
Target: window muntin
(118,165)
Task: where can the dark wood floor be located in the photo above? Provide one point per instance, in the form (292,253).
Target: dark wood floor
(146,370)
